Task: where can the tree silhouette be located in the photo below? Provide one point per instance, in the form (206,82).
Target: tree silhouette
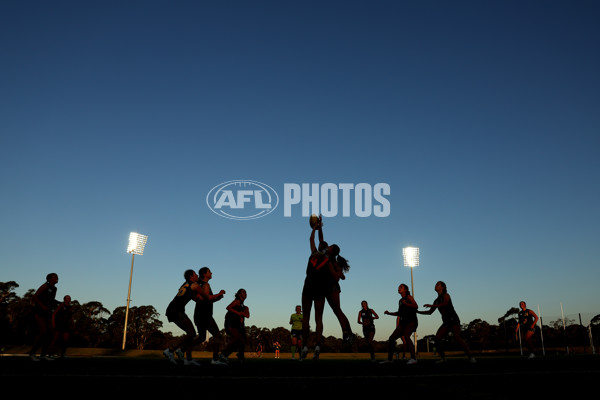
(96,326)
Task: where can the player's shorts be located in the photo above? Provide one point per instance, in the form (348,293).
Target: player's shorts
(368,329)
(296,333)
(449,323)
(182,321)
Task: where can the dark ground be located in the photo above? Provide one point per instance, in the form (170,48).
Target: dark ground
(492,377)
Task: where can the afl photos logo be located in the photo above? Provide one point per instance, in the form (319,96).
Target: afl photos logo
(242,199)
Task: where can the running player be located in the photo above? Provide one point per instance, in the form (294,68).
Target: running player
(44,304)
(203,314)
(296,331)
(527,319)
(406,324)
(63,326)
(366,318)
(450,321)
(176,313)
(235,326)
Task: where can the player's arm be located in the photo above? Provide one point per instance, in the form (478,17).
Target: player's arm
(197,291)
(429,311)
(231,308)
(313,248)
(335,271)
(445,301)
(38,294)
(218,296)
(410,302)
(60,307)
(205,293)
(535,318)
(320,227)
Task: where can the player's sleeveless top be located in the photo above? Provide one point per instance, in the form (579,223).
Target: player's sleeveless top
(183,296)
(47,298)
(407,314)
(367,316)
(296,321)
(204,308)
(317,263)
(316,282)
(525,319)
(234,320)
(449,316)
(333,284)
(63,317)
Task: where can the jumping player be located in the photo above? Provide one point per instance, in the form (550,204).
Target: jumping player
(314,291)
(325,268)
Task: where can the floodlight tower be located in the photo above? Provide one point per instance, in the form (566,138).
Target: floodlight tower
(411,259)
(136,246)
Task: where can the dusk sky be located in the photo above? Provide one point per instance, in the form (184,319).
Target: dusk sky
(482,118)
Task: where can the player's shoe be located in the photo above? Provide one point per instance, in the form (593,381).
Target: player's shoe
(317,352)
(221,360)
(412,361)
(472,360)
(303,353)
(180,354)
(170,356)
(531,355)
(386,361)
(192,363)
(349,338)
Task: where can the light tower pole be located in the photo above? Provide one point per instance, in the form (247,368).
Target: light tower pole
(136,246)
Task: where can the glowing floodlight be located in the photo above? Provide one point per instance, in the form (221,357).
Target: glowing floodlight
(411,256)
(137,242)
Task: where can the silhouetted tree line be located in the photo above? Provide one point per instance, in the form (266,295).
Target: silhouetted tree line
(98,327)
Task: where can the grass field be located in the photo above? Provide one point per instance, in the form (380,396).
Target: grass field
(113,372)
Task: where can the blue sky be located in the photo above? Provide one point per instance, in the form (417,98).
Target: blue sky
(482,117)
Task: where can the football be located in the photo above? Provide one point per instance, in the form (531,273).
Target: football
(313,220)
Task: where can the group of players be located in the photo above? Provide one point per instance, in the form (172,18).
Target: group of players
(197,288)
(324,270)
(54,321)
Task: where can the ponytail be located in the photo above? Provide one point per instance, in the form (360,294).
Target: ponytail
(343,263)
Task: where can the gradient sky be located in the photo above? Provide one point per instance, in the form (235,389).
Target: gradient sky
(482,116)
